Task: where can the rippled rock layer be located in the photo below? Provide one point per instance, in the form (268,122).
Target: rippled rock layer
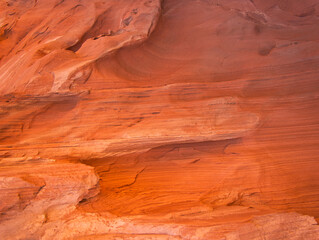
(149,119)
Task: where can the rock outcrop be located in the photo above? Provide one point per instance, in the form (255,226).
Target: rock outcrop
(150,119)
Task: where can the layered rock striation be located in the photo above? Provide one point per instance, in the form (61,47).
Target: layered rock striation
(149,119)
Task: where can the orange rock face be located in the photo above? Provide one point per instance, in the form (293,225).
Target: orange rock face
(149,119)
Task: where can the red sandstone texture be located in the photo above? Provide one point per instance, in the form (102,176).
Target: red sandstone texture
(149,119)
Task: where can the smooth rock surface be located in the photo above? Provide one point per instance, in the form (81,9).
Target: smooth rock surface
(149,119)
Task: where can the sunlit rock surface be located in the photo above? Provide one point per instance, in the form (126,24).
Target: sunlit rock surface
(149,119)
